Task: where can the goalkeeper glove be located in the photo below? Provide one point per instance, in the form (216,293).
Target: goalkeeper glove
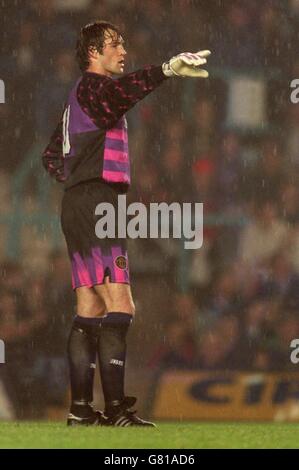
(187,64)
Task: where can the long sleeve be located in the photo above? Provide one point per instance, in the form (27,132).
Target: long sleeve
(105,100)
(53,156)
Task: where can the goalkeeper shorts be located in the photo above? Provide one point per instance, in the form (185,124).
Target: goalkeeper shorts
(92,259)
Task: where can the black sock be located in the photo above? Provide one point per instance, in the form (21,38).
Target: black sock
(112,356)
(82,347)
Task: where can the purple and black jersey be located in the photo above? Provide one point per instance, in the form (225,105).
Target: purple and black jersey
(91,140)
(90,146)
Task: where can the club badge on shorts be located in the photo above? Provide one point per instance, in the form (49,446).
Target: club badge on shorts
(121,262)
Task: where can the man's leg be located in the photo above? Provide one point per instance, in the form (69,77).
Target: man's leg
(112,352)
(82,348)
(112,339)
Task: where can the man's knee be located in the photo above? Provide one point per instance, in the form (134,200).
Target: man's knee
(117,297)
(124,302)
(122,305)
(90,311)
(89,303)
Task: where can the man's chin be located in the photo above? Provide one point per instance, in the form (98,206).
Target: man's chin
(117,71)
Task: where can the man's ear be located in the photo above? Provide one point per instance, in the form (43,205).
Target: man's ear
(93,52)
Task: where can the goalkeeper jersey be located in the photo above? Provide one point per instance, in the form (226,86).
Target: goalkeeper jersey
(91,139)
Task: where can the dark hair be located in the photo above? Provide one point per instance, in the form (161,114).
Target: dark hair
(92,35)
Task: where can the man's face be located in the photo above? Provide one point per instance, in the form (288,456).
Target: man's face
(112,58)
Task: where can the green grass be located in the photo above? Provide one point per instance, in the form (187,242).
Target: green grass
(166,436)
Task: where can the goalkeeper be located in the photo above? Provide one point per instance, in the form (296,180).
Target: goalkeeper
(88,153)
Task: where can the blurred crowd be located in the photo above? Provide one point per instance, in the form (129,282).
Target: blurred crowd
(234,303)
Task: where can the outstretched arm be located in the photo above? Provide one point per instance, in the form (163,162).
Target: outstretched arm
(105,100)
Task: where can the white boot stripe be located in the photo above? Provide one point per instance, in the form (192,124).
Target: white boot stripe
(119,421)
(71,416)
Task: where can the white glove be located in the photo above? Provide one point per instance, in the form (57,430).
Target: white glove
(187,65)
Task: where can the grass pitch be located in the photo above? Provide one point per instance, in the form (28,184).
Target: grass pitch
(33,435)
